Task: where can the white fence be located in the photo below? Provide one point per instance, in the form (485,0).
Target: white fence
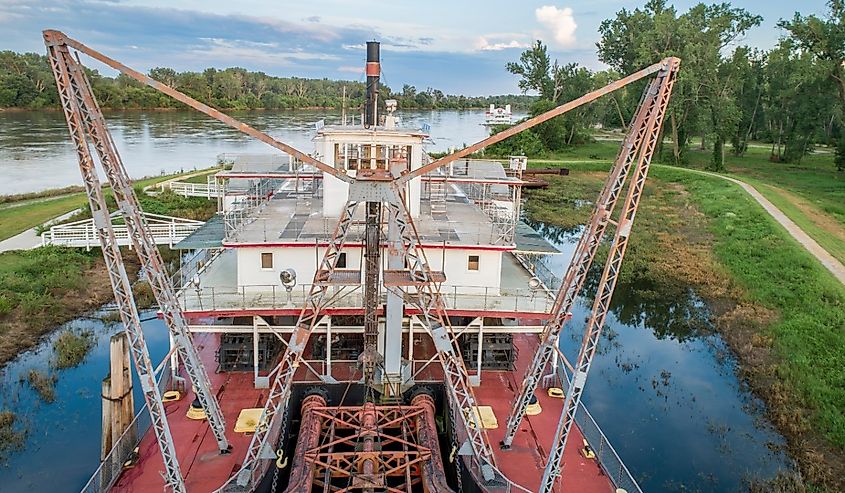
(166,230)
(208,190)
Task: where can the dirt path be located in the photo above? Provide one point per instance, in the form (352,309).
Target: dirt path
(29,239)
(829,261)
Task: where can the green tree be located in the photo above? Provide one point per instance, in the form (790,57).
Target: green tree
(824,40)
(535,71)
(638,38)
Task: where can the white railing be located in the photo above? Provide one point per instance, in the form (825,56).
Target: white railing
(251,297)
(208,190)
(166,230)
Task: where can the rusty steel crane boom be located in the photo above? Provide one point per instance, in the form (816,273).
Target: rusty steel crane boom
(87,126)
(661,91)
(69,83)
(641,134)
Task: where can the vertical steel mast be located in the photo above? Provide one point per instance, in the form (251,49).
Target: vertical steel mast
(662,91)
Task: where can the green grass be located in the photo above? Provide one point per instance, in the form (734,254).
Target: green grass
(11,438)
(41,288)
(71,347)
(815,179)
(43,384)
(778,273)
(19,217)
(826,234)
(201,178)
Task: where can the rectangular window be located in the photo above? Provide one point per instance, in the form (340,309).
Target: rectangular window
(341,261)
(267,260)
(472,263)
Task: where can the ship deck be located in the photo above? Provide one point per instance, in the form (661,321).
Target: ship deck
(290,218)
(205,469)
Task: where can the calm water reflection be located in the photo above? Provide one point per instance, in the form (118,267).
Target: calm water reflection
(663,388)
(62,447)
(36,154)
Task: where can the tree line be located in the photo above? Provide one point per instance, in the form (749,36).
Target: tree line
(727,93)
(26,82)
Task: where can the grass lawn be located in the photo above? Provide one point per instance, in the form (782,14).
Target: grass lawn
(811,194)
(18,217)
(201,178)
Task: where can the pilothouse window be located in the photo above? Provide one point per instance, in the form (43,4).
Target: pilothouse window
(472,263)
(366,156)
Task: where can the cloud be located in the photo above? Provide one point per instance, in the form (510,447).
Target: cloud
(256,52)
(559,22)
(484,44)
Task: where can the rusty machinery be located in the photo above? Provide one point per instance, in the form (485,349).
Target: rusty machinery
(409,275)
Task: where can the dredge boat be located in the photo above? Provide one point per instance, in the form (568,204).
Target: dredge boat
(361,318)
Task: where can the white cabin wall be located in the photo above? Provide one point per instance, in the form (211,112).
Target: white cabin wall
(301,259)
(488,275)
(335,195)
(304,262)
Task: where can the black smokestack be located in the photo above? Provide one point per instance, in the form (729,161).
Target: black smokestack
(373,72)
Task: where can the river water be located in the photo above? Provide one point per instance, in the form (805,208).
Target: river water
(36,152)
(663,385)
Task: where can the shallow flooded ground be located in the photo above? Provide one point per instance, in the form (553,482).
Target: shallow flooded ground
(61,448)
(663,388)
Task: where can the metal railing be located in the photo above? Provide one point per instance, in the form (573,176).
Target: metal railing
(111,466)
(606,455)
(166,230)
(245,210)
(192,265)
(269,296)
(209,190)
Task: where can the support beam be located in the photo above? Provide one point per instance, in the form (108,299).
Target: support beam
(60,37)
(607,283)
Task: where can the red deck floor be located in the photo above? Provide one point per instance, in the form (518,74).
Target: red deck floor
(206,470)
(525,461)
(203,467)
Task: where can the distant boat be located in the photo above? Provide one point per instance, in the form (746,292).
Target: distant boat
(498,116)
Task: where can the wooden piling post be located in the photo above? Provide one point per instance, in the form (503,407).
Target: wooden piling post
(118,404)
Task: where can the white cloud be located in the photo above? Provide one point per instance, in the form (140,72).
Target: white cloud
(560,22)
(484,44)
(238,50)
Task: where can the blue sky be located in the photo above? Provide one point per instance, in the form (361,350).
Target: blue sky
(456,46)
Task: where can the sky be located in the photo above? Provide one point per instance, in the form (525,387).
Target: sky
(459,47)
